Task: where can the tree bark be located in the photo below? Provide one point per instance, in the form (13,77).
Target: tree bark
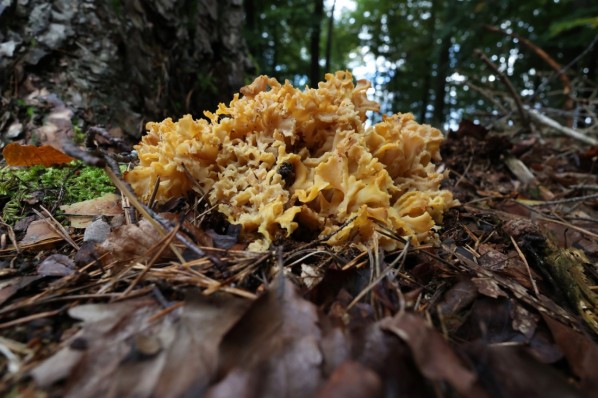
(124,62)
(314,75)
(427,85)
(329,37)
(442,68)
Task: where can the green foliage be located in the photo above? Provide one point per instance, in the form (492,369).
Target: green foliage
(76,181)
(279,38)
(420,52)
(562,26)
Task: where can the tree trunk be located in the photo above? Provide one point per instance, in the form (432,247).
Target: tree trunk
(124,62)
(329,38)
(427,84)
(442,69)
(314,75)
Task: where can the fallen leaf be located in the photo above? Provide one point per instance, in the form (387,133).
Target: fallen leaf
(239,383)
(56,265)
(489,319)
(488,287)
(38,231)
(81,214)
(509,371)
(191,360)
(175,356)
(10,287)
(389,356)
(432,354)
(28,155)
(351,380)
(106,346)
(580,351)
(277,340)
(128,241)
(524,321)
(455,301)
(105,205)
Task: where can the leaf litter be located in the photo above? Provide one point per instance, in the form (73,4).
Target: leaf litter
(491,311)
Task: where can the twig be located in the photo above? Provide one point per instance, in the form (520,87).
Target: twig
(30,318)
(320,240)
(62,190)
(569,65)
(548,122)
(588,187)
(165,311)
(505,80)
(488,95)
(158,222)
(529,272)
(567,200)
(11,235)
(148,266)
(56,226)
(548,59)
(94,131)
(400,260)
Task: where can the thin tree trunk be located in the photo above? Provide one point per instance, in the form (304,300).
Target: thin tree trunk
(128,61)
(329,38)
(314,75)
(442,69)
(274,60)
(427,86)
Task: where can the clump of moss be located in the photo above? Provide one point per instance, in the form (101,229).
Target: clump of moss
(77,182)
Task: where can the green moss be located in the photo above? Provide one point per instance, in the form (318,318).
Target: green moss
(77,182)
(78,134)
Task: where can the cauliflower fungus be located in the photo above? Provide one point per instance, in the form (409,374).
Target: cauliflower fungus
(278,158)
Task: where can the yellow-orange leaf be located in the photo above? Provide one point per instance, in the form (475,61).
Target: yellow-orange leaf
(29,155)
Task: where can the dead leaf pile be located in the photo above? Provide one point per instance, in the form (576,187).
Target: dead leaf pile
(173,305)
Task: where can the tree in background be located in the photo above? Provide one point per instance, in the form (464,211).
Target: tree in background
(427,46)
(288,39)
(419,54)
(124,61)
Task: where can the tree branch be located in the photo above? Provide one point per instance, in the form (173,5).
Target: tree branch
(505,80)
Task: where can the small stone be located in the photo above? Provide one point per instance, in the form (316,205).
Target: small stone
(97,231)
(56,265)
(16,129)
(7,49)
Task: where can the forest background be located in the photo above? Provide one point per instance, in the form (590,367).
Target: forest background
(123,63)
(420,54)
(506,288)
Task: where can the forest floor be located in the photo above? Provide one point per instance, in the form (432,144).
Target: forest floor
(503,305)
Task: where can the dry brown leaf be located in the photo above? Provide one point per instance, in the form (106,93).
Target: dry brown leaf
(391,359)
(432,354)
(488,287)
(509,371)
(29,155)
(580,351)
(351,380)
(239,383)
(524,321)
(277,340)
(81,214)
(9,287)
(38,231)
(119,351)
(128,242)
(56,265)
(453,305)
(106,328)
(191,360)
